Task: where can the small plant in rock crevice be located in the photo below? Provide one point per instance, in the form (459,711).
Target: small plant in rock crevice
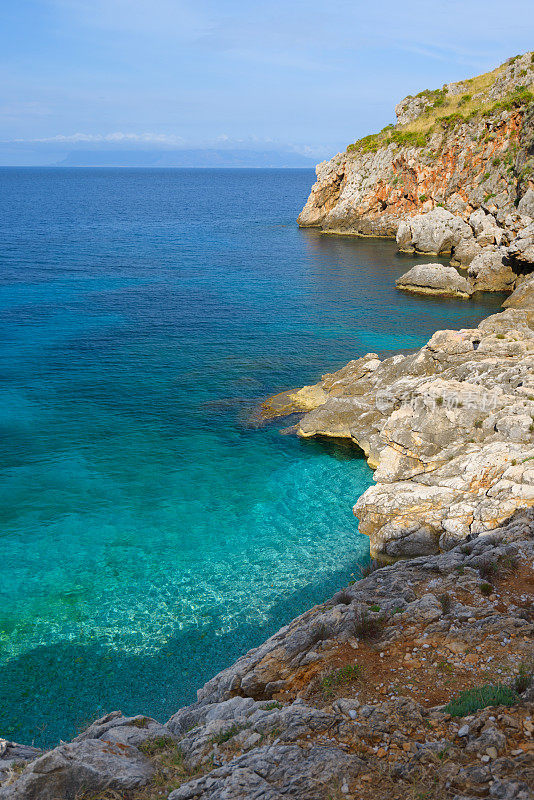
(368,569)
(225,736)
(152,746)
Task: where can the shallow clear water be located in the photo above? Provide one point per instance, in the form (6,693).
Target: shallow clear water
(148,534)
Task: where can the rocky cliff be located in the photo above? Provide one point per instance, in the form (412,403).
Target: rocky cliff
(466,146)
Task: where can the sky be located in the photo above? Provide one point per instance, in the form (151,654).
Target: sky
(309,77)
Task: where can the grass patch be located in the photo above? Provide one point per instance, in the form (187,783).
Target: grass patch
(225,736)
(152,746)
(141,722)
(486,589)
(340,677)
(474,699)
(444,112)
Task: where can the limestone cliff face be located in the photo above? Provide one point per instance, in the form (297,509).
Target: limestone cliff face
(469,145)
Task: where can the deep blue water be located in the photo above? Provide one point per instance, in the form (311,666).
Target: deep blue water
(148,534)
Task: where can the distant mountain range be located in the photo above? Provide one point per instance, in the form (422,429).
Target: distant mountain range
(186,158)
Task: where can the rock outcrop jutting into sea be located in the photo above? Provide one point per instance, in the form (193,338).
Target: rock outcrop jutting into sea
(415,681)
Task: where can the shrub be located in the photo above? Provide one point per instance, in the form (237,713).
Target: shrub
(451,120)
(524,677)
(342,598)
(409,139)
(488,570)
(142,722)
(474,699)
(367,627)
(446,603)
(368,144)
(271,706)
(486,588)
(508,563)
(369,568)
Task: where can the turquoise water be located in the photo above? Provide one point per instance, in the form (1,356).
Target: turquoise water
(149,535)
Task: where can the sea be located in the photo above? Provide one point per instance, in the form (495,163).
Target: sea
(151,531)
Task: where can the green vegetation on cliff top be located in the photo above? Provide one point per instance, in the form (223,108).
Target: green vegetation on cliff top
(446,112)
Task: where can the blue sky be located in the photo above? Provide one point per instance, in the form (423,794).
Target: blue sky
(311,76)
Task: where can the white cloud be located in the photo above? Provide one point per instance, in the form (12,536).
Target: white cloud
(118,137)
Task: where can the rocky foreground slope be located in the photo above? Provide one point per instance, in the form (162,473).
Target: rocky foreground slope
(347,701)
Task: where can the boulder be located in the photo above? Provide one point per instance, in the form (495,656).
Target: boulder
(272,772)
(485,228)
(434,279)
(435,232)
(526,204)
(465,251)
(70,770)
(523,297)
(412,107)
(521,250)
(115,727)
(490,271)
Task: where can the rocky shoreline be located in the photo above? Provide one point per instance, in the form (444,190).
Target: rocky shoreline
(416,680)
